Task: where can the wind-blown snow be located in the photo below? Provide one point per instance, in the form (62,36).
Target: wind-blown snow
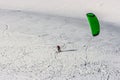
(28,48)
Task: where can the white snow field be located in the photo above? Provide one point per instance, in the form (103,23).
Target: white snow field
(28,43)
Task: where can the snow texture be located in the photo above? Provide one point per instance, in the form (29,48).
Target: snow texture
(28,50)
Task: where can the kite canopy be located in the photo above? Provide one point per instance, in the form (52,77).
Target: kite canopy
(94,24)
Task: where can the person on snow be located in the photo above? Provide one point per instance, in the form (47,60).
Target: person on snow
(58,48)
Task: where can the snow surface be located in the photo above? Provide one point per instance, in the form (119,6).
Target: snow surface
(28,43)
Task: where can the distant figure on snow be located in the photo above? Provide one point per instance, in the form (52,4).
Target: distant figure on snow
(58,48)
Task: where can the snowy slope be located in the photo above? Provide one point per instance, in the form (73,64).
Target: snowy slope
(28,43)
(108,9)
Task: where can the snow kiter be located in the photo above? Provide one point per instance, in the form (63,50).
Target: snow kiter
(94,24)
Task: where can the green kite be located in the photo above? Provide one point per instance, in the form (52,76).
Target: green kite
(94,24)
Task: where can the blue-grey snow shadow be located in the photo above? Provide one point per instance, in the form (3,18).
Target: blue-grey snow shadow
(110,26)
(69,50)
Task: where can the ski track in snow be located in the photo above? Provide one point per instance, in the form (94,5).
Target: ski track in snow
(28,48)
